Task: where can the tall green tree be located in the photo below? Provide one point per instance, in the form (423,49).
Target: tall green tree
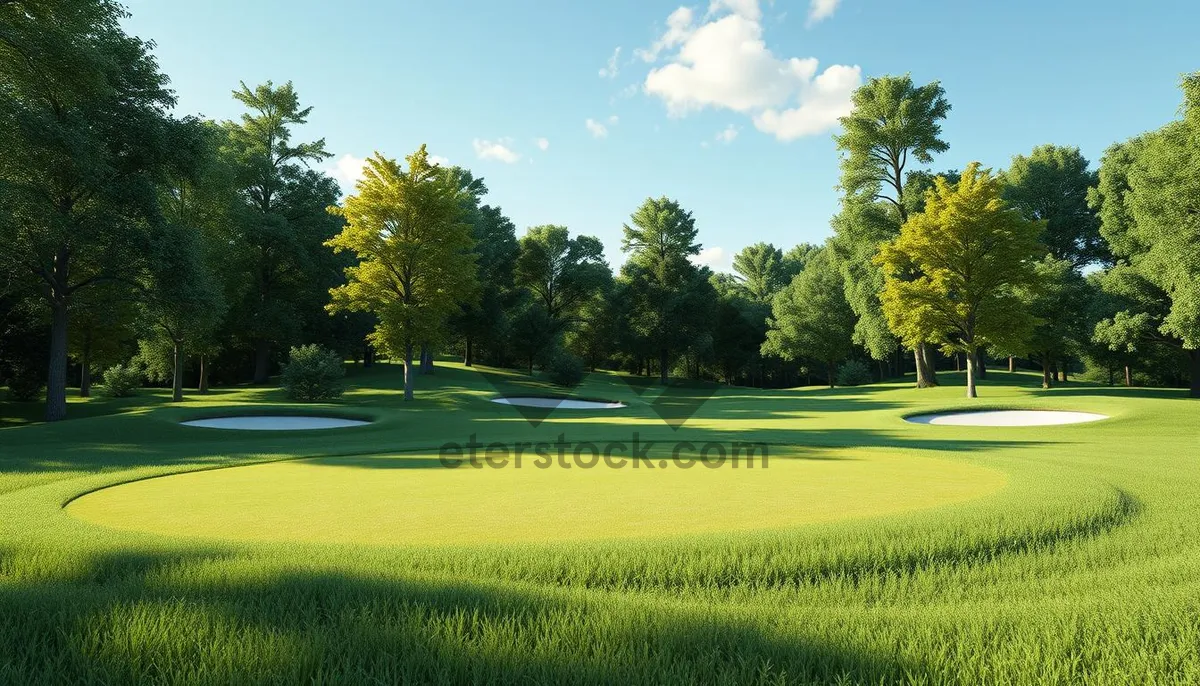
(84,132)
(496,254)
(282,224)
(972,255)
(560,271)
(1147,197)
(811,318)
(672,298)
(1060,303)
(1051,185)
(761,270)
(893,125)
(416,267)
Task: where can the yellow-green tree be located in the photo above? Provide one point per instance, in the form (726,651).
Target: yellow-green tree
(415,265)
(952,275)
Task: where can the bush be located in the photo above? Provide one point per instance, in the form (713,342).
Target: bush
(853,373)
(313,374)
(25,383)
(122,380)
(564,369)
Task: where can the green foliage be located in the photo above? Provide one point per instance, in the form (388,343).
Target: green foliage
(122,380)
(562,272)
(533,331)
(313,374)
(1051,185)
(853,373)
(564,369)
(953,274)
(811,319)
(762,270)
(416,268)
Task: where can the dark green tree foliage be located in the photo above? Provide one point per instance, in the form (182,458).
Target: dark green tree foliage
(811,318)
(486,322)
(561,272)
(761,270)
(672,299)
(739,330)
(84,132)
(313,374)
(893,125)
(1060,304)
(282,224)
(1051,185)
(1148,199)
(534,333)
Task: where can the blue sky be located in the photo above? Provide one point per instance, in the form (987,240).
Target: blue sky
(725,105)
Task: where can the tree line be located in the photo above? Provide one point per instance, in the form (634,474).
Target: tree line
(205,250)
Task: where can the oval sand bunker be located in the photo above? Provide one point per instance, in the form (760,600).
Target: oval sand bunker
(275,423)
(1007,418)
(559,403)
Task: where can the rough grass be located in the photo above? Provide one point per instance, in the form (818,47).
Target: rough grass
(1084,567)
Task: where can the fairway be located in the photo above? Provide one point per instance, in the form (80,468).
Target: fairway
(414,499)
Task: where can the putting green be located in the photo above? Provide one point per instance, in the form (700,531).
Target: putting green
(406,499)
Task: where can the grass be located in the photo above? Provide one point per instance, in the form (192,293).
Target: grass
(869,551)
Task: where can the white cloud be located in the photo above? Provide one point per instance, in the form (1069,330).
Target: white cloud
(820,10)
(613,66)
(597,129)
(543,144)
(724,63)
(715,258)
(496,150)
(613,120)
(679,26)
(728,134)
(347,170)
(439,160)
(746,8)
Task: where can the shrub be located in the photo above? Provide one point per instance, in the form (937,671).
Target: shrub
(122,380)
(564,369)
(25,383)
(853,373)
(313,374)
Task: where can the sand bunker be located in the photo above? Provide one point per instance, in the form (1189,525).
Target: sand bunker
(1007,418)
(275,423)
(559,403)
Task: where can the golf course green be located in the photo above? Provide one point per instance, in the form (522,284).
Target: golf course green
(862,548)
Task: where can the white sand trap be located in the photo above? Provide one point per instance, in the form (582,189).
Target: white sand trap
(560,403)
(1007,418)
(275,423)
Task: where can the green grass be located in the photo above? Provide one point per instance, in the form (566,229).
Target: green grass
(869,550)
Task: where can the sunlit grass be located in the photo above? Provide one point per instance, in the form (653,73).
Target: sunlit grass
(1082,564)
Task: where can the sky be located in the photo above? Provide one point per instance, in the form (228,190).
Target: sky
(576,112)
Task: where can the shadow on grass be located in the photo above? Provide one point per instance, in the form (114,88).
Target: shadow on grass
(154,618)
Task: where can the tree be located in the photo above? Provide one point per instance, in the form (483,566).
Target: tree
(893,124)
(672,298)
(812,319)
(560,271)
(1060,303)
(496,254)
(1051,185)
(83,133)
(415,268)
(971,255)
(283,223)
(1150,217)
(761,270)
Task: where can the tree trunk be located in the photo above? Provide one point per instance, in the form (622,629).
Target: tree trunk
(958,362)
(926,377)
(203,385)
(408,372)
(829,373)
(1128,376)
(85,371)
(972,364)
(981,366)
(56,377)
(469,353)
(1012,364)
(1047,379)
(368,356)
(1195,365)
(177,380)
(1053,370)
(1112,375)
(262,361)
(531,364)
(662,365)
(426,360)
